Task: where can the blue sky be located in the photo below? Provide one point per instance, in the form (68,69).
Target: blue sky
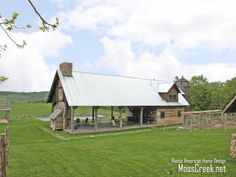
(150,39)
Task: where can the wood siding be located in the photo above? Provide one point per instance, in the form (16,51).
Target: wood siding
(172,91)
(172,115)
(152,115)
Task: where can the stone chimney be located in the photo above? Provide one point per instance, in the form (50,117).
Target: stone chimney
(66,68)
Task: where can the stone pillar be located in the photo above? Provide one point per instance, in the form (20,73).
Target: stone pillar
(233,146)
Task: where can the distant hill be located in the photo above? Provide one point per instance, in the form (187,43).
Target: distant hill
(24,96)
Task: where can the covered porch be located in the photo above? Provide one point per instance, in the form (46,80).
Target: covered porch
(115,118)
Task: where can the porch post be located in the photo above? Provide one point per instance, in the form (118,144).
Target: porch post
(111,112)
(120,117)
(96,119)
(72,118)
(92,114)
(64,117)
(141,116)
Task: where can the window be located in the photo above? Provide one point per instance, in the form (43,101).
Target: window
(162,115)
(179,113)
(173,97)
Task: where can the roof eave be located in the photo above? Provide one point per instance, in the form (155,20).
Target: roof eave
(50,94)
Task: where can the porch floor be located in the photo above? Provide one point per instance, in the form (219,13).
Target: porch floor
(107,126)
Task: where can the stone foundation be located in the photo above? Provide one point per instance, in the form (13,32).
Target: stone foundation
(233,146)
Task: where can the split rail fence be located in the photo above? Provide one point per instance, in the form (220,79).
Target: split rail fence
(5,109)
(208,119)
(4,152)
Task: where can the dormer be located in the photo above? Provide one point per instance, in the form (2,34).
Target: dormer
(169,92)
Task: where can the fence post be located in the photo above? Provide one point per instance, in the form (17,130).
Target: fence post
(225,122)
(6,145)
(191,124)
(3,155)
(3,152)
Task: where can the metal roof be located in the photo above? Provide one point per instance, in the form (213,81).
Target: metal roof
(230,107)
(86,89)
(164,87)
(55,114)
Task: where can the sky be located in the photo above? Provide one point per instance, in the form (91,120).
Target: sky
(152,39)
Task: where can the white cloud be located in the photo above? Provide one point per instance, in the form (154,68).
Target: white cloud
(120,56)
(27,68)
(178,25)
(182,24)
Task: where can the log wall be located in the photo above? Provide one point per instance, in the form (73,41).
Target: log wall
(172,91)
(172,115)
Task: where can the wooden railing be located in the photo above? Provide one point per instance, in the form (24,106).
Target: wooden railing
(4,151)
(202,119)
(4,105)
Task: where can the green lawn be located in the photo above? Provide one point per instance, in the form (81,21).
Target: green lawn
(144,152)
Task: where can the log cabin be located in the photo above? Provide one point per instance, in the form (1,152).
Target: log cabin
(147,101)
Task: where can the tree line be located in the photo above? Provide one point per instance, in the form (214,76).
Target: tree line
(205,95)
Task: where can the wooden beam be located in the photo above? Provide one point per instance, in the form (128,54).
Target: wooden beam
(120,110)
(229,104)
(141,117)
(7,115)
(225,121)
(191,125)
(64,117)
(200,112)
(52,106)
(96,118)
(72,118)
(112,112)
(92,113)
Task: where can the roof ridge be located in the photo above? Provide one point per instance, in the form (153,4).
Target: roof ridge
(132,77)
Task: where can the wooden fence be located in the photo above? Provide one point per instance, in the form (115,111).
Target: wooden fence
(229,120)
(208,119)
(202,119)
(4,151)
(5,107)
(4,104)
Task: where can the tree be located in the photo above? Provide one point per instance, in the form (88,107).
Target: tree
(2,79)
(200,96)
(229,89)
(207,96)
(9,24)
(217,95)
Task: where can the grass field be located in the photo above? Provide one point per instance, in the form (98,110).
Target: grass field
(35,151)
